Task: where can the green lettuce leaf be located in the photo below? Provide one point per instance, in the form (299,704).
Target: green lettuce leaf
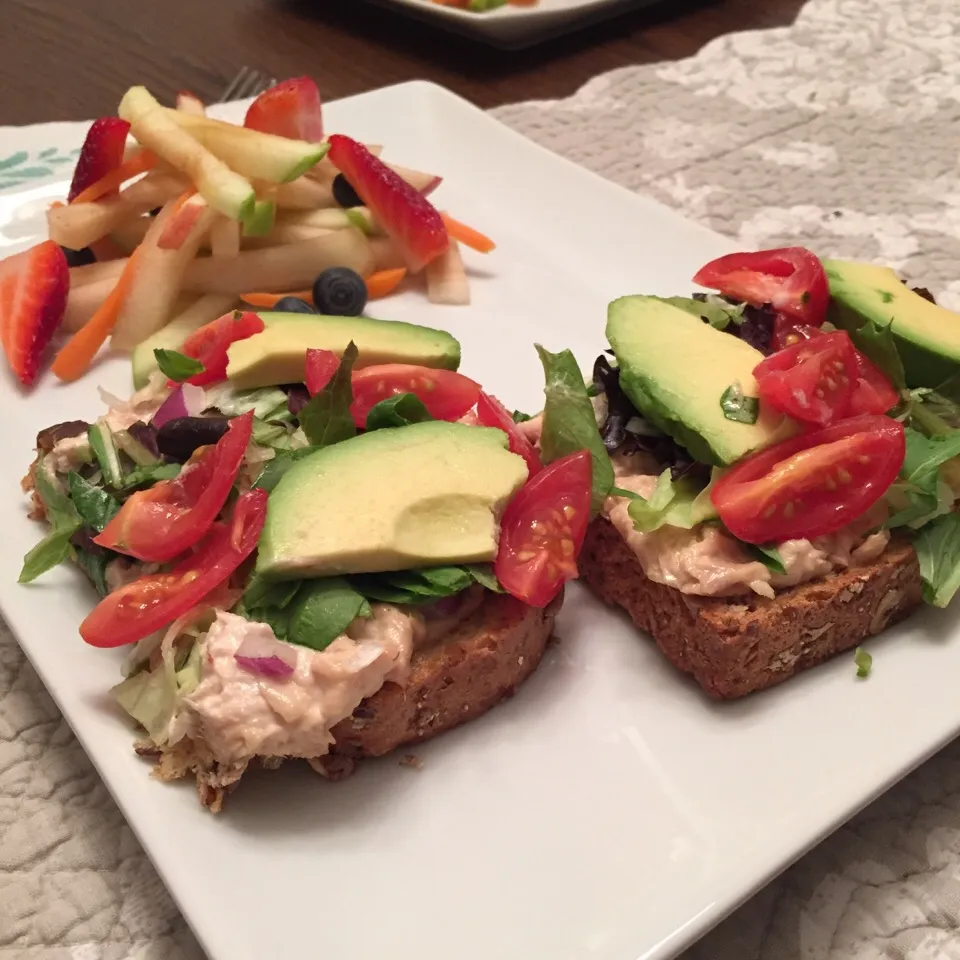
(326,418)
(715,310)
(673,503)
(397,411)
(938,551)
(569,421)
(64,522)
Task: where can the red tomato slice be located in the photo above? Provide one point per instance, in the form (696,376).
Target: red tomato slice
(791,279)
(543,529)
(210,343)
(786,332)
(812,484)
(154,601)
(492,413)
(811,381)
(159,524)
(445,394)
(873,393)
(321,366)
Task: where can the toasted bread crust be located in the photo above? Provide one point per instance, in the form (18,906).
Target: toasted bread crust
(735,646)
(483,660)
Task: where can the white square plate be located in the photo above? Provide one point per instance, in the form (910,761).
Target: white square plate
(516,27)
(609,810)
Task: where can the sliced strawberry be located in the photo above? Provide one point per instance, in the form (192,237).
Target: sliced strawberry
(101,154)
(290,109)
(33,296)
(406,215)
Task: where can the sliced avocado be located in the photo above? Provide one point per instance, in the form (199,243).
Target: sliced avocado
(278,354)
(927,336)
(675,368)
(423,495)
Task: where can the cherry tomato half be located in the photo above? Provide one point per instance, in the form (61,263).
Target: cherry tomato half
(791,279)
(812,484)
(159,524)
(811,381)
(492,413)
(210,343)
(321,365)
(874,393)
(152,602)
(543,529)
(445,394)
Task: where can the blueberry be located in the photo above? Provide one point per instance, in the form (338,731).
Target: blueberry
(344,194)
(79,258)
(293,305)
(340,292)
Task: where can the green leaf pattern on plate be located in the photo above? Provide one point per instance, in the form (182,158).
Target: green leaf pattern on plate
(21,167)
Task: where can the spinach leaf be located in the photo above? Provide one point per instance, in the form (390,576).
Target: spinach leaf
(275,468)
(326,418)
(322,609)
(64,520)
(569,421)
(417,586)
(95,506)
(397,411)
(767,554)
(262,593)
(177,366)
(938,550)
(484,575)
(674,503)
(715,310)
(737,407)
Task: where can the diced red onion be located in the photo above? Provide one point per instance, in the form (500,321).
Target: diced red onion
(186,401)
(273,668)
(262,654)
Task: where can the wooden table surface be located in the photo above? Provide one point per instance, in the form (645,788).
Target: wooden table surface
(72,59)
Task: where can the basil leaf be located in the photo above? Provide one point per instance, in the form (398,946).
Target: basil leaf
(177,366)
(938,551)
(484,575)
(673,503)
(275,468)
(715,310)
(520,417)
(95,506)
(768,555)
(326,418)
(397,411)
(569,421)
(737,407)
(322,610)
(864,662)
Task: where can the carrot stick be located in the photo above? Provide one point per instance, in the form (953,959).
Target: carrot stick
(384,282)
(469,237)
(77,354)
(139,163)
(266,301)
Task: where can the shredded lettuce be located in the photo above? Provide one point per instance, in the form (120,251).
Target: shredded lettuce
(679,503)
(938,551)
(715,310)
(267,403)
(570,422)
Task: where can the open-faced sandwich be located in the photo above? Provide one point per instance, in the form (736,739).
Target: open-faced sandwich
(784,465)
(315,553)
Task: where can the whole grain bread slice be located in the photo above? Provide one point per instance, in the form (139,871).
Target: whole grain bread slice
(482,661)
(735,646)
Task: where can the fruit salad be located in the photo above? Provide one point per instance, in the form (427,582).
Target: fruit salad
(174,219)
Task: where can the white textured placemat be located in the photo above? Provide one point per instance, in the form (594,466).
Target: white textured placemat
(841,132)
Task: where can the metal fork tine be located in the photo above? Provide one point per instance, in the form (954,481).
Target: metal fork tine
(247,83)
(235,84)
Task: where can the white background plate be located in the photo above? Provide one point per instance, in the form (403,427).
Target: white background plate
(609,810)
(515,27)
